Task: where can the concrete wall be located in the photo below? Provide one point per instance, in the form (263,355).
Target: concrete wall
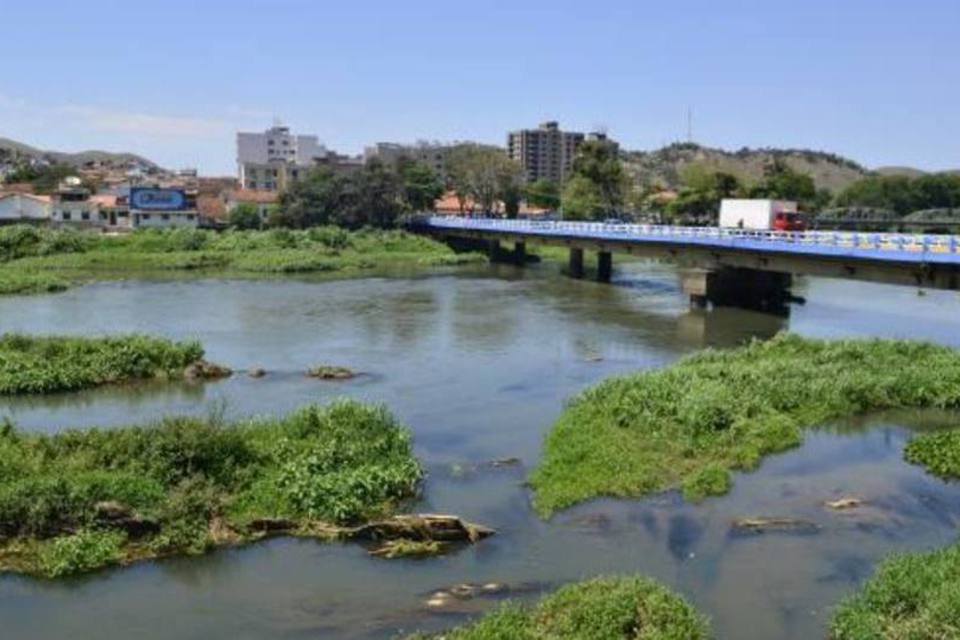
(163,219)
(21,207)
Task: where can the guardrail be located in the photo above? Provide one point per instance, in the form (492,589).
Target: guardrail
(917,246)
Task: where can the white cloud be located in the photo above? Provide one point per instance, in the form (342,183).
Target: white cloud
(143,124)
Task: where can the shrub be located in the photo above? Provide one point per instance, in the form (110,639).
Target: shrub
(61,363)
(81,552)
(187,477)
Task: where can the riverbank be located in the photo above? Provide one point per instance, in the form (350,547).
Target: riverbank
(607,608)
(82,500)
(689,425)
(48,364)
(40,260)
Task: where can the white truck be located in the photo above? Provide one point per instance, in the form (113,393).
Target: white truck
(760,215)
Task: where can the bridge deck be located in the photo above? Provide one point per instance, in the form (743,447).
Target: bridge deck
(907,248)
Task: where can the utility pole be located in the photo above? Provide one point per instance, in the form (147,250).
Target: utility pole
(690,124)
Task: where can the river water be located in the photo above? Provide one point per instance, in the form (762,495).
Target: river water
(478,363)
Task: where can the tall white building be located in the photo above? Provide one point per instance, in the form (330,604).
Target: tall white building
(265,161)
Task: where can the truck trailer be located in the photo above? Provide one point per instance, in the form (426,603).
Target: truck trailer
(760,215)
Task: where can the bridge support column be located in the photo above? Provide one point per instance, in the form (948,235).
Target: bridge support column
(494,252)
(604,266)
(520,253)
(738,287)
(575,268)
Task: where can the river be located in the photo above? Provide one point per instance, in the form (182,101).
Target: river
(478,363)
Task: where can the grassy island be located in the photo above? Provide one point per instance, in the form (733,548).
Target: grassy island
(688,425)
(938,452)
(80,500)
(49,364)
(609,608)
(35,260)
(910,596)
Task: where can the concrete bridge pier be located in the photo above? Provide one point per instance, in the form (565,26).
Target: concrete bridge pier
(575,266)
(604,266)
(520,253)
(738,287)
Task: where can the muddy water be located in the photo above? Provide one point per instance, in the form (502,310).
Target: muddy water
(478,364)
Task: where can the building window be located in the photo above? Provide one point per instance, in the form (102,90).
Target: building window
(190,216)
(144,216)
(85,215)
(165,216)
(66,215)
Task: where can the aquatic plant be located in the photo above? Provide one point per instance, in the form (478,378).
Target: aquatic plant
(939,452)
(83,499)
(688,425)
(910,596)
(22,283)
(48,364)
(606,608)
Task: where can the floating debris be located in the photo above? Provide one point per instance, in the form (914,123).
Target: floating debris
(843,504)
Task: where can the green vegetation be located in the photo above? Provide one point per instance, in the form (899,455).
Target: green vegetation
(596,188)
(607,608)
(939,452)
(35,259)
(544,194)
(44,178)
(911,596)
(375,195)
(80,500)
(22,283)
(487,176)
(903,194)
(245,216)
(61,363)
(688,425)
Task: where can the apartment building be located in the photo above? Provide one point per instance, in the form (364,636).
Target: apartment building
(545,153)
(268,161)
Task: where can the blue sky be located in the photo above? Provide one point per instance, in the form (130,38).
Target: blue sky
(875,80)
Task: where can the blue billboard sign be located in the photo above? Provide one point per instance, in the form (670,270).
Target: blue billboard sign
(158,199)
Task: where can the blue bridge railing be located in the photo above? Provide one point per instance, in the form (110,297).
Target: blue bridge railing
(901,247)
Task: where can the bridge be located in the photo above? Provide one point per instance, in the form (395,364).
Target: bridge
(734,267)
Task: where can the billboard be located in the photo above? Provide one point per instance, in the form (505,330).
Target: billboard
(158,199)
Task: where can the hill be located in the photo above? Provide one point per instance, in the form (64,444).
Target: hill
(665,166)
(10,149)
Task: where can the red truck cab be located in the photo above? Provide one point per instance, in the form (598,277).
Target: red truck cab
(788,221)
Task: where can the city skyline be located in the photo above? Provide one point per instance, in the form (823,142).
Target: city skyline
(870,84)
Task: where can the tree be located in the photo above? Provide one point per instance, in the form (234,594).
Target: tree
(244,216)
(543,193)
(317,199)
(702,191)
(780,182)
(485,174)
(373,197)
(421,186)
(598,164)
(45,178)
(582,199)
